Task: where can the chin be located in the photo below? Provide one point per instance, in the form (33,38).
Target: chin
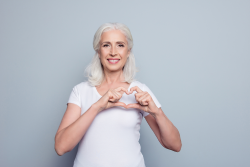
(113,69)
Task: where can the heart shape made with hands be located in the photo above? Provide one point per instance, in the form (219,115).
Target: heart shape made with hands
(143,98)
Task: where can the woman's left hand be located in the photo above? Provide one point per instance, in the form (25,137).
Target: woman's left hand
(145,101)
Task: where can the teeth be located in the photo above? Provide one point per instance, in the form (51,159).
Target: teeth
(113,61)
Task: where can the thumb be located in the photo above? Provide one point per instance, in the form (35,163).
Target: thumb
(134,105)
(121,104)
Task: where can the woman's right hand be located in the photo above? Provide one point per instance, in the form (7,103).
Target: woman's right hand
(111,99)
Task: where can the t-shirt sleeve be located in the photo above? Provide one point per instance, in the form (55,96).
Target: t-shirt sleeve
(157,103)
(75,97)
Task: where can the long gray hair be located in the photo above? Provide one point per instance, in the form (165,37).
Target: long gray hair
(94,70)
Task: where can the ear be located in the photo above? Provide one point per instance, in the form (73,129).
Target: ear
(98,52)
(129,52)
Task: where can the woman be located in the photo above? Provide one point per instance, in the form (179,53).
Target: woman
(104,113)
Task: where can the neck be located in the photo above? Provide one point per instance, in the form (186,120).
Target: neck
(113,77)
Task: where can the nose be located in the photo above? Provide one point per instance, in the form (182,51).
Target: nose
(113,51)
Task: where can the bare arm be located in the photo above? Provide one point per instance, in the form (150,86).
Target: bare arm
(73,127)
(167,134)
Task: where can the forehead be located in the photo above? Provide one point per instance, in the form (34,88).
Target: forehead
(112,36)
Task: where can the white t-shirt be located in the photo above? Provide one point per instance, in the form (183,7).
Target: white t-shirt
(112,140)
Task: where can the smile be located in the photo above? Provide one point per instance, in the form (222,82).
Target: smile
(113,61)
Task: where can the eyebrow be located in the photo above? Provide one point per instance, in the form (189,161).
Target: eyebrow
(116,42)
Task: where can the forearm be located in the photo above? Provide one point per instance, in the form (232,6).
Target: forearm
(169,133)
(69,137)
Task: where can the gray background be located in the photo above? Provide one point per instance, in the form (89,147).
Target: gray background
(193,55)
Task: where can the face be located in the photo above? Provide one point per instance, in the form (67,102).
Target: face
(113,51)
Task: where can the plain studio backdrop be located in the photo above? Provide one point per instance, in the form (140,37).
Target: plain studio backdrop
(193,55)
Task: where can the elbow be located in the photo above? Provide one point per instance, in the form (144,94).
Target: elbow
(60,153)
(59,146)
(178,147)
(59,150)
(175,148)
(62,147)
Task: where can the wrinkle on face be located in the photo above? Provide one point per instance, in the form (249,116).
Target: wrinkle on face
(113,44)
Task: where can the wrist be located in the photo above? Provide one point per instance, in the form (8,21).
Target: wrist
(97,107)
(159,113)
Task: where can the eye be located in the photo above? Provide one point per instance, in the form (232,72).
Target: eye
(105,45)
(121,45)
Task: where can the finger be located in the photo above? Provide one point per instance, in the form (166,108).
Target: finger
(117,95)
(138,95)
(134,105)
(144,99)
(138,106)
(114,93)
(122,89)
(111,96)
(121,104)
(135,88)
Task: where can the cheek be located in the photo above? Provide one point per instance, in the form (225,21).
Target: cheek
(124,53)
(103,53)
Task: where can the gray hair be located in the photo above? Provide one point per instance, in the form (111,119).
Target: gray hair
(94,70)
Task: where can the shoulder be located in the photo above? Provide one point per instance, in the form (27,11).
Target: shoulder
(83,89)
(139,84)
(83,85)
(142,86)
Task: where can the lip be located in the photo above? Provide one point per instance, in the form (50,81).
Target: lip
(113,59)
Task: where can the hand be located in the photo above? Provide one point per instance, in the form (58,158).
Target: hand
(145,101)
(111,99)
